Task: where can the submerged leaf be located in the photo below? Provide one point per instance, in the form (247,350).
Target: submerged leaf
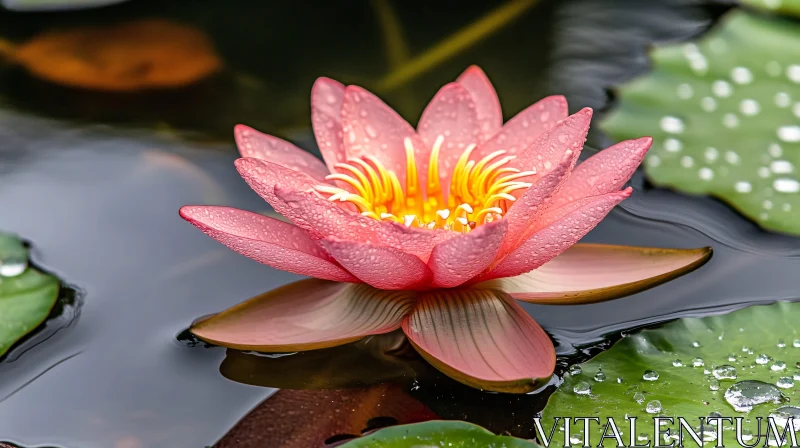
(26,294)
(724,114)
(437,433)
(693,367)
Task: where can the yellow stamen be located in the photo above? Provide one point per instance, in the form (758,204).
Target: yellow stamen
(480,191)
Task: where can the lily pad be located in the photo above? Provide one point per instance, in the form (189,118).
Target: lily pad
(691,368)
(453,434)
(26,295)
(778,6)
(725,116)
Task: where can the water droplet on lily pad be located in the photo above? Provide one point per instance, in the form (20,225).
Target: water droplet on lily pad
(575,370)
(762,359)
(696,344)
(781,343)
(732,357)
(784,413)
(744,395)
(778,366)
(698,362)
(677,363)
(713,384)
(650,375)
(653,407)
(12,267)
(785,382)
(725,372)
(638,397)
(600,377)
(582,388)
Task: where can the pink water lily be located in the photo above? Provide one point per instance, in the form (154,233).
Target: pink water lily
(436,230)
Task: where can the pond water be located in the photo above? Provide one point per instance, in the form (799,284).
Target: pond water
(99,204)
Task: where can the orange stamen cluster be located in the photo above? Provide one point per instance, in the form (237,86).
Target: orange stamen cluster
(480,191)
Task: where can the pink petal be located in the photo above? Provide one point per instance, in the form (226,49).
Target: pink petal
(556,233)
(380,266)
(522,130)
(487,104)
(589,273)
(263,176)
(372,128)
(462,257)
(322,219)
(451,115)
(481,338)
(548,150)
(534,201)
(306,315)
(254,144)
(604,172)
(266,240)
(327,97)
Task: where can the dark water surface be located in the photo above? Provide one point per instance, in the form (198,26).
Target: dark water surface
(99,204)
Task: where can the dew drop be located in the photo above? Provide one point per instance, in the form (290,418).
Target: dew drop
(677,363)
(638,397)
(582,388)
(575,370)
(778,366)
(600,377)
(672,145)
(744,395)
(642,437)
(762,359)
(785,185)
(785,382)
(782,415)
(742,187)
(650,375)
(672,125)
(653,407)
(12,268)
(725,372)
(696,344)
(698,362)
(708,104)
(781,166)
(706,173)
(713,384)
(796,343)
(732,357)
(721,88)
(749,107)
(742,75)
(782,99)
(788,133)
(619,380)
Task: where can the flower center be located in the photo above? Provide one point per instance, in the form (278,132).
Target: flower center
(480,192)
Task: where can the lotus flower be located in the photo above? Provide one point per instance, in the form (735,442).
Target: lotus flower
(436,231)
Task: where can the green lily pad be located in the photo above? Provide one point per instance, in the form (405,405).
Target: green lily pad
(437,433)
(26,295)
(691,368)
(779,6)
(725,117)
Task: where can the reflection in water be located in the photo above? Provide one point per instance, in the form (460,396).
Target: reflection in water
(309,418)
(372,360)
